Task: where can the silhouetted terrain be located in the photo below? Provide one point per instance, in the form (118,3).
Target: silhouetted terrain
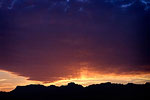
(104,91)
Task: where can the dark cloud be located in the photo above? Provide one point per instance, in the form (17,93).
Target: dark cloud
(49,45)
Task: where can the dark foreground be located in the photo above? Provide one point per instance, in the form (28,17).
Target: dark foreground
(105,91)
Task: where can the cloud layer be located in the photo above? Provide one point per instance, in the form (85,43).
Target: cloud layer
(49,46)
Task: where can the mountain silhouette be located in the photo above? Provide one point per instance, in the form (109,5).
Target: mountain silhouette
(72,91)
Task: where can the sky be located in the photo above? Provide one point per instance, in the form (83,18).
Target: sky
(60,41)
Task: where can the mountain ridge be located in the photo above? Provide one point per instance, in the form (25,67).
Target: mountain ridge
(74,91)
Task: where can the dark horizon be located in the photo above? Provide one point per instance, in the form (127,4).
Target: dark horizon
(72,91)
(73,83)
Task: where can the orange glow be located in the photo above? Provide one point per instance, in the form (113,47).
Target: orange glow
(88,77)
(8,80)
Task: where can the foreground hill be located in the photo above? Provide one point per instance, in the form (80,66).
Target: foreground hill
(104,91)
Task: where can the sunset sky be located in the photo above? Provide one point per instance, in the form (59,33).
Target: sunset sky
(84,41)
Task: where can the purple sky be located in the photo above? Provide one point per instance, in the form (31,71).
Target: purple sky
(46,43)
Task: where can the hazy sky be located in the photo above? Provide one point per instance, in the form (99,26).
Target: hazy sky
(62,40)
